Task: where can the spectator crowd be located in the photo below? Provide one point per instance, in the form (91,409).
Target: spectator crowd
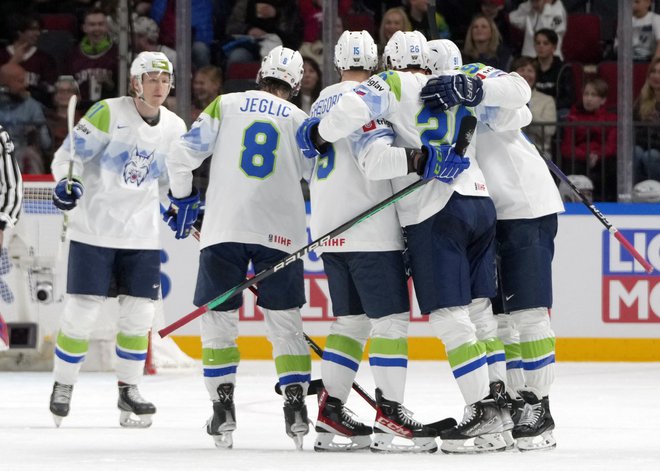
(565,49)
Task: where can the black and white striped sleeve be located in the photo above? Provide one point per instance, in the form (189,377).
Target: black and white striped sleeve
(11,183)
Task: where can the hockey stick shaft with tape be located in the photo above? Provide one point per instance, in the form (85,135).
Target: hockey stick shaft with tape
(596,212)
(70,118)
(466,131)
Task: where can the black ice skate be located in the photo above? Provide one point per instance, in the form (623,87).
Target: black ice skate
(335,420)
(534,429)
(136,412)
(295,414)
(223,422)
(480,430)
(60,400)
(394,420)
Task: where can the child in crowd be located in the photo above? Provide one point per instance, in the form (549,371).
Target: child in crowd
(591,149)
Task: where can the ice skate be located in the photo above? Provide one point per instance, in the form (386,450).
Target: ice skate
(136,412)
(223,422)
(501,399)
(392,421)
(337,429)
(295,414)
(60,400)
(480,430)
(534,429)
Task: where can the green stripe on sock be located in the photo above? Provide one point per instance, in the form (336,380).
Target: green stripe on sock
(465,353)
(220,356)
(292,363)
(138,343)
(512,351)
(346,345)
(493,345)
(537,348)
(381,346)
(68,344)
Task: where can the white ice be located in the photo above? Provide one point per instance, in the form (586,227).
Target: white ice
(607,417)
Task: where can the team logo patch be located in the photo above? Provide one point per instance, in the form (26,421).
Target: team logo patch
(630,295)
(137,168)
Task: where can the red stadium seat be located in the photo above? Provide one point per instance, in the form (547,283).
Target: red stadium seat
(242,71)
(59,22)
(359,22)
(582,42)
(608,71)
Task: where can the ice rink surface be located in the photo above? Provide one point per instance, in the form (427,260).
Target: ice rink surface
(607,416)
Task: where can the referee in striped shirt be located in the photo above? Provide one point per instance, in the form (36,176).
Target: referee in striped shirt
(11,185)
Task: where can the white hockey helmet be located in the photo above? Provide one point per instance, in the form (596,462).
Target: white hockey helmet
(283,64)
(406,49)
(356,50)
(444,56)
(151,61)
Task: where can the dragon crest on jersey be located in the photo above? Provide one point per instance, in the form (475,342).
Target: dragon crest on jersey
(137,169)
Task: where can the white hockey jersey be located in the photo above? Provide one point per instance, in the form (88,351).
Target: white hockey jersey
(121,162)
(254,194)
(394,96)
(518,179)
(341,191)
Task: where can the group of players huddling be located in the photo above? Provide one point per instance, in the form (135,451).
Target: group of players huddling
(481,230)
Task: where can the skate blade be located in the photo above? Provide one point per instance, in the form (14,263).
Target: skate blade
(298,440)
(129,420)
(509,440)
(545,441)
(331,442)
(58,420)
(389,443)
(224,440)
(485,443)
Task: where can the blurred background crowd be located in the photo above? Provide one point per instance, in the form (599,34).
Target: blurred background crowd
(565,49)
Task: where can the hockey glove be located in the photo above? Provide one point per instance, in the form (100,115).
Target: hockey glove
(67,193)
(310,142)
(447,91)
(182,214)
(444,163)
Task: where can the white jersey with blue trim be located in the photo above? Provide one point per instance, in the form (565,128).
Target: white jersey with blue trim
(254,194)
(394,96)
(340,190)
(121,161)
(518,179)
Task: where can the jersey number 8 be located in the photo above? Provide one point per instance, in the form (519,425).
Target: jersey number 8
(260,142)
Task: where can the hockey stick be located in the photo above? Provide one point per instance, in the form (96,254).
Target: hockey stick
(317,384)
(430,16)
(70,118)
(197,234)
(465,132)
(596,212)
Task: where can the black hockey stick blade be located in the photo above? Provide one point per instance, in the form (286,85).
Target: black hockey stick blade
(465,133)
(315,387)
(442,425)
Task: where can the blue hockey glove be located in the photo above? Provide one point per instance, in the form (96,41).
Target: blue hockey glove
(308,139)
(447,91)
(182,214)
(67,199)
(444,163)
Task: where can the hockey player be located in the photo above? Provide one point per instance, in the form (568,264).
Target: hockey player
(254,212)
(11,199)
(527,202)
(120,147)
(449,225)
(362,303)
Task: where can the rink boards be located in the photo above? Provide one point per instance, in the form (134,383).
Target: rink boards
(606,307)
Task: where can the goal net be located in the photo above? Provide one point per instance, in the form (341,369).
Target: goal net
(32,286)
